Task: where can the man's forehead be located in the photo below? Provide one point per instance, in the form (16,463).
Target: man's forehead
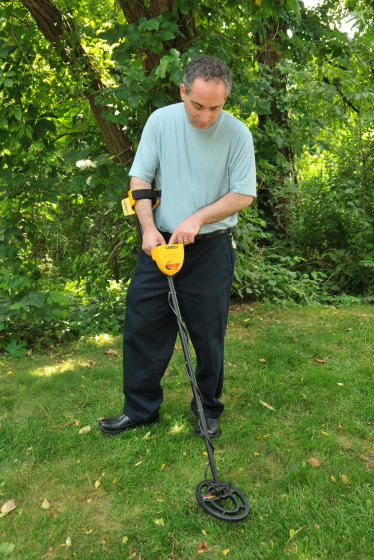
(208,93)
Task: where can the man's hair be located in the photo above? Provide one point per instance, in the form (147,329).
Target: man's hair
(207,68)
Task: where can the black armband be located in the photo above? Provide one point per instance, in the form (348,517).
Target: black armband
(129,203)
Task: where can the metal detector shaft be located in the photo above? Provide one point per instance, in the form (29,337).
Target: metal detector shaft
(220,499)
(192,377)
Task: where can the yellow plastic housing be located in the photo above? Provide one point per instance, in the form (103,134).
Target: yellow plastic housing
(169,258)
(128,205)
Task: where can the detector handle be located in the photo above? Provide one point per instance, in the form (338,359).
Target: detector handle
(169,258)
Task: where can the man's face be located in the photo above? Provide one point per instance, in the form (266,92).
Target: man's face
(204,103)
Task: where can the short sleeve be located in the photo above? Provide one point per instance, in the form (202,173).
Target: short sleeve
(147,161)
(242,168)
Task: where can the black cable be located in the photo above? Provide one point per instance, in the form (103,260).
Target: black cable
(193,381)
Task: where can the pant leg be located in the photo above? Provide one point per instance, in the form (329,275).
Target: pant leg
(149,337)
(204,290)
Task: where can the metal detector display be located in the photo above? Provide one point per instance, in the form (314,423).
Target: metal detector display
(219,499)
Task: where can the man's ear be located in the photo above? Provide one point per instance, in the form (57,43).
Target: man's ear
(182,91)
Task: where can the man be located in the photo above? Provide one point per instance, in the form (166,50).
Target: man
(202,160)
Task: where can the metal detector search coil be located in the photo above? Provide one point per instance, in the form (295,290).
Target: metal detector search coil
(219,499)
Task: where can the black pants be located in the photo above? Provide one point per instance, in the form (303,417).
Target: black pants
(203,287)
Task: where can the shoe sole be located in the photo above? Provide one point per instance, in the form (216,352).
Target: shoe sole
(133,427)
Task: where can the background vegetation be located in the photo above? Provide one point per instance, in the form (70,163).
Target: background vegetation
(77,83)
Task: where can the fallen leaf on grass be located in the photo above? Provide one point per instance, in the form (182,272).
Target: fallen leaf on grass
(293,533)
(159,521)
(345,479)
(85,430)
(68,541)
(7,507)
(267,405)
(97,483)
(202,548)
(46,504)
(6,548)
(112,352)
(225,552)
(318,361)
(262,361)
(314,462)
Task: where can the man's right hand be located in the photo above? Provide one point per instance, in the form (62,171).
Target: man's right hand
(143,208)
(152,239)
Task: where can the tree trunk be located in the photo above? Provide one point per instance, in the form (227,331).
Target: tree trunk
(60,32)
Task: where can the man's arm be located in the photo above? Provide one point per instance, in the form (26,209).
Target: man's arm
(143,208)
(185,232)
(229,204)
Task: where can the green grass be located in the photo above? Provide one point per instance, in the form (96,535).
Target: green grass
(132,496)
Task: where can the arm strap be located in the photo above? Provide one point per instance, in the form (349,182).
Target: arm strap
(128,203)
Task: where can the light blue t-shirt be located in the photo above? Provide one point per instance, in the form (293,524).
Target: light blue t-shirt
(194,167)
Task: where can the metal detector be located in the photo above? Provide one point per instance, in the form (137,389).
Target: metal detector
(219,499)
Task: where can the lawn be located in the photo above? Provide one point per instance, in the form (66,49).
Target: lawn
(297,440)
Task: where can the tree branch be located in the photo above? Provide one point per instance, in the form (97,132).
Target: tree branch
(335,83)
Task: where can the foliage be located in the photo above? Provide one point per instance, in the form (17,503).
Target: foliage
(46,317)
(268,273)
(333,224)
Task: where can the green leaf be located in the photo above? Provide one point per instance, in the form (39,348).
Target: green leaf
(93,181)
(7,548)
(18,113)
(34,299)
(43,126)
(165,35)
(263,107)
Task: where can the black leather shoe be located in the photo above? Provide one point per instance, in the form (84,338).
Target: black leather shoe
(212,425)
(115,425)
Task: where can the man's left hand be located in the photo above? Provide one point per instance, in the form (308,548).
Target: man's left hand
(185,232)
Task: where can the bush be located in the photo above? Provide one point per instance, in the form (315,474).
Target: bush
(34,319)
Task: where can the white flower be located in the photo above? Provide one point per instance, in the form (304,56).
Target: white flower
(85,163)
